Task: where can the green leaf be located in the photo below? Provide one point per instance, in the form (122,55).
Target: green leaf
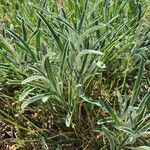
(66,23)
(82,17)
(33,99)
(140,148)
(24,30)
(69,116)
(136,88)
(64,58)
(126,129)
(38,44)
(27,48)
(145,100)
(87,51)
(100,64)
(33,78)
(50,73)
(145,128)
(56,37)
(106,106)
(96,4)
(7,46)
(59,147)
(105,120)
(142,108)
(45,99)
(91,30)
(89,100)
(110,138)
(25,93)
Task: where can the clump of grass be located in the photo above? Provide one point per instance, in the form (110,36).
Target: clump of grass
(71,72)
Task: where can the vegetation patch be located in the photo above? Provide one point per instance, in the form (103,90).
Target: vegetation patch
(75,74)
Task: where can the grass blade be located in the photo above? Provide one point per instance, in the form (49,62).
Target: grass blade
(28,50)
(136,88)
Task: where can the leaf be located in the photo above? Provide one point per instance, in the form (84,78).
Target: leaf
(50,73)
(126,130)
(38,35)
(145,128)
(25,93)
(136,88)
(97,103)
(64,58)
(140,148)
(101,65)
(24,30)
(111,112)
(145,100)
(87,51)
(38,70)
(34,78)
(105,120)
(38,43)
(66,23)
(110,138)
(33,35)
(56,37)
(144,147)
(4,44)
(82,17)
(69,117)
(142,108)
(91,30)
(59,147)
(27,48)
(33,99)
(45,99)
(44,144)
(96,4)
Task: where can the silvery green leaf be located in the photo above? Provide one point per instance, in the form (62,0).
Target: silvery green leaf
(101,65)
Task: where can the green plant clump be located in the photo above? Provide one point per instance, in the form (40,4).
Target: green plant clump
(75,74)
